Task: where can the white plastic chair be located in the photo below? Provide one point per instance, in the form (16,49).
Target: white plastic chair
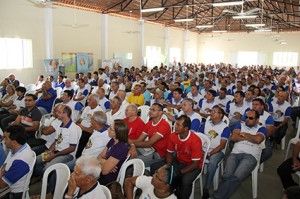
(283,143)
(45,121)
(62,178)
(254,175)
(219,169)
(30,88)
(106,192)
(144,112)
(293,140)
(298,174)
(26,188)
(58,91)
(138,169)
(205,147)
(42,110)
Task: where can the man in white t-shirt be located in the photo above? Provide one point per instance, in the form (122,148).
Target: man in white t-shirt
(249,139)
(115,112)
(83,182)
(114,87)
(99,137)
(85,121)
(48,128)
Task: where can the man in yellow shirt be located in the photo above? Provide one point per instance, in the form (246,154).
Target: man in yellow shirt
(136,97)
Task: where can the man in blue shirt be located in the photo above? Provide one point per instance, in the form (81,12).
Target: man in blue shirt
(48,96)
(18,165)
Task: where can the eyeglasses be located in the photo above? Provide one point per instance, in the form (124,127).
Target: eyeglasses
(250,118)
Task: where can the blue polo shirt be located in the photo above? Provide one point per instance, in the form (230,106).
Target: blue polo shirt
(47,104)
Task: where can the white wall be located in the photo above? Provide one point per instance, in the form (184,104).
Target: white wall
(83,39)
(20,19)
(263,43)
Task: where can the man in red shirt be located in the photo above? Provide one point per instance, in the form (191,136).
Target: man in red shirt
(134,122)
(157,130)
(189,156)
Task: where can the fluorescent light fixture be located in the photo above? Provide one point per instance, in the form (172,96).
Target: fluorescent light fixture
(153,9)
(283,43)
(254,25)
(229,3)
(263,30)
(219,31)
(183,20)
(244,17)
(204,26)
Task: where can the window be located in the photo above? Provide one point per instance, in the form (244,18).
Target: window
(285,58)
(15,53)
(247,58)
(153,56)
(191,56)
(174,55)
(213,56)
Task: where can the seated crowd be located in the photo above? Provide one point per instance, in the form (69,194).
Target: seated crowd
(163,116)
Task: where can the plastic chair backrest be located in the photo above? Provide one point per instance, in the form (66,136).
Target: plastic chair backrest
(138,169)
(42,110)
(205,146)
(144,112)
(45,121)
(58,91)
(62,178)
(30,87)
(119,174)
(106,192)
(26,188)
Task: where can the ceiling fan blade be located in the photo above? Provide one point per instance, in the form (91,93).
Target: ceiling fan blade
(229,11)
(252,11)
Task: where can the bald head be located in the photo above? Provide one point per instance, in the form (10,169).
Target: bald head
(121,94)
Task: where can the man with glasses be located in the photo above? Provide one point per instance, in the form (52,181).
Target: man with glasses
(216,128)
(266,120)
(248,137)
(30,118)
(158,131)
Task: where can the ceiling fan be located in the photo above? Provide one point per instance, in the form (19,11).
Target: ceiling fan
(42,3)
(75,23)
(240,15)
